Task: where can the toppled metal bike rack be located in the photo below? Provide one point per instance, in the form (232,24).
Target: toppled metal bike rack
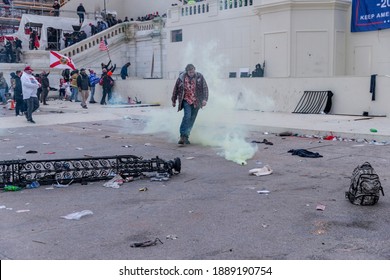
(81,170)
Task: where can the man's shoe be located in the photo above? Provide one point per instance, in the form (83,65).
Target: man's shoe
(181,140)
(186,141)
(31,121)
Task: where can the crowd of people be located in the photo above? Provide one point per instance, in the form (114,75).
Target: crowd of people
(11,51)
(28,90)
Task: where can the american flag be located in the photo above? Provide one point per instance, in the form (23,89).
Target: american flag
(103,46)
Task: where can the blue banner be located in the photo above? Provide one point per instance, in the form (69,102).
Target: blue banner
(369,15)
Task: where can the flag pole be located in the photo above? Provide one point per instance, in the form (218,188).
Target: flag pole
(108,52)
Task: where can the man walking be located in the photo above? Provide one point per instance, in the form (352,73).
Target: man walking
(80,13)
(30,86)
(83,87)
(45,87)
(3,89)
(191,92)
(93,81)
(18,95)
(124,73)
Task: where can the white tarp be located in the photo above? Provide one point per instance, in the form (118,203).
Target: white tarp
(62,23)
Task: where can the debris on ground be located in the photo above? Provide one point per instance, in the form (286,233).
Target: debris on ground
(265,141)
(11,188)
(172,237)
(320,207)
(144,189)
(58,185)
(285,133)
(266,192)
(77,215)
(33,185)
(146,243)
(115,182)
(304,153)
(160,177)
(22,211)
(265,170)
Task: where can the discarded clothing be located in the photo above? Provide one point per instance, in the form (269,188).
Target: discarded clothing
(304,153)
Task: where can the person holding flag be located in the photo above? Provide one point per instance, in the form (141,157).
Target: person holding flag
(103,46)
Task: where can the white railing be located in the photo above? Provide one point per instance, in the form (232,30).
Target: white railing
(111,35)
(195,9)
(206,7)
(234,4)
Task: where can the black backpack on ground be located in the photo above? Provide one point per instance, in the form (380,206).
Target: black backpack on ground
(365,186)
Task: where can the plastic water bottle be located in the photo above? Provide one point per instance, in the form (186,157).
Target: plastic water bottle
(10,188)
(33,185)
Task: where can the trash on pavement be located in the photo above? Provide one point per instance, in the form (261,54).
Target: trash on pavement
(22,211)
(58,185)
(320,207)
(265,170)
(285,133)
(114,183)
(265,141)
(11,188)
(77,215)
(172,237)
(33,185)
(160,177)
(144,189)
(266,192)
(146,243)
(304,153)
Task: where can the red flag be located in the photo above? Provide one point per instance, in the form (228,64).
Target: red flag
(103,46)
(58,60)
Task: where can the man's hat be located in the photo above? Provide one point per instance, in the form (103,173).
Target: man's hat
(82,69)
(28,68)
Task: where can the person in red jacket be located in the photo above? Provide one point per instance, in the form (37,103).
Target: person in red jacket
(192,93)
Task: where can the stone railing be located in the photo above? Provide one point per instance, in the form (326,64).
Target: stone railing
(210,8)
(112,35)
(234,4)
(195,8)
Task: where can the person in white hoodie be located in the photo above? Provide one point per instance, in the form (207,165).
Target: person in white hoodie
(30,86)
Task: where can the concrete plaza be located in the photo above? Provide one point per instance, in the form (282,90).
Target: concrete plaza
(213,208)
